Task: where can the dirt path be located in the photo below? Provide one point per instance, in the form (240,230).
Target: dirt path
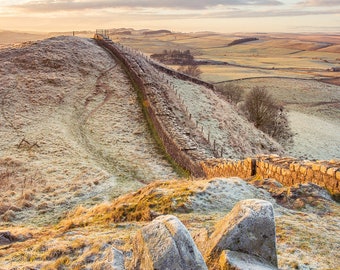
(81,109)
(101,87)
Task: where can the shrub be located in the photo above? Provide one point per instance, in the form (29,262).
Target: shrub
(232,92)
(261,109)
(191,70)
(175,57)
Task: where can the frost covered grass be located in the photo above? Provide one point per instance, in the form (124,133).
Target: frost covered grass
(71,130)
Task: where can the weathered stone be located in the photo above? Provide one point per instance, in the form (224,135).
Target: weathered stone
(298,204)
(166,244)
(278,169)
(324,168)
(7,238)
(115,259)
(309,190)
(249,228)
(310,173)
(286,172)
(303,170)
(331,172)
(337,175)
(316,166)
(201,237)
(233,260)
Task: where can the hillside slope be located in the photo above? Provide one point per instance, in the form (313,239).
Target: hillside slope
(72,135)
(71,129)
(307,235)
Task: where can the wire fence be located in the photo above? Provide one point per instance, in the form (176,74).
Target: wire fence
(217,148)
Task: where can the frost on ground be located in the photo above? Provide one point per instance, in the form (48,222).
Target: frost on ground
(314,114)
(222,123)
(315,138)
(305,239)
(71,130)
(222,194)
(71,135)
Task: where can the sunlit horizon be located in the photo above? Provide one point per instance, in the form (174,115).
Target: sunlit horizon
(179,16)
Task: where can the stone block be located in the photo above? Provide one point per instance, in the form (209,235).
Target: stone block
(316,166)
(233,260)
(303,170)
(277,169)
(337,175)
(323,168)
(309,174)
(331,172)
(248,228)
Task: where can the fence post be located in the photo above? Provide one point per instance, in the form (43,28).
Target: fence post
(253,167)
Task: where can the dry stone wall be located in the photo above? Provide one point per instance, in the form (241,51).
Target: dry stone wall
(168,119)
(197,156)
(182,76)
(287,170)
(227,168)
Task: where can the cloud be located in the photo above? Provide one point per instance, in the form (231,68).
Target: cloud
(320,3)
(71,5)
(271,13)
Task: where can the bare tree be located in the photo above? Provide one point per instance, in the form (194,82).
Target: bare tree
(191,70)
(232,92)
(261,109)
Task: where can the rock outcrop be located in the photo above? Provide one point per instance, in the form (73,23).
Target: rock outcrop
(243,240)
(7,238)
(166,244)
(249,228)
(115,260)
(233,260)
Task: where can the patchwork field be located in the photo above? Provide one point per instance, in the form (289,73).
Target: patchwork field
(296,69)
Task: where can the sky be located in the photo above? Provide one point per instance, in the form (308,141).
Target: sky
(226,16)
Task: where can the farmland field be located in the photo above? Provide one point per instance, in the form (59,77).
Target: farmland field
(296,69)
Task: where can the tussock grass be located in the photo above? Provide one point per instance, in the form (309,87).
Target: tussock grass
(161,197)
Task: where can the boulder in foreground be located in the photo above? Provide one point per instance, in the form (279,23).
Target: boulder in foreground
(166,244)
(249,228)
(233,260)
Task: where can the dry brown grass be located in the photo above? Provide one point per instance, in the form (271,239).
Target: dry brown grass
(161,197)
(305,240)
(84,236)
(51,175)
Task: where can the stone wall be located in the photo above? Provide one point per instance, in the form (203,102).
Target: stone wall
(154,93)
(227,168)
(182,76)
(287,170)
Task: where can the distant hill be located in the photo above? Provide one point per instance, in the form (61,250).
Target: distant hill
(157,32)
(241,40)
(8,37)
